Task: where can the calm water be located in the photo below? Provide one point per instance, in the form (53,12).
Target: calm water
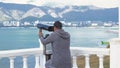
(20,38)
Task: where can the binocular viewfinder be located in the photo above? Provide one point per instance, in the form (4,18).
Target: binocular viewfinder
(45,27)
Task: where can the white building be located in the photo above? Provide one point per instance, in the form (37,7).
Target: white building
(94,24)
(107,24)
(11,23)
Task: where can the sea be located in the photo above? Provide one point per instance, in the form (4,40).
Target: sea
(12,38)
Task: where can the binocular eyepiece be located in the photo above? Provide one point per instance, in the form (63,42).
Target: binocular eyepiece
(45,27)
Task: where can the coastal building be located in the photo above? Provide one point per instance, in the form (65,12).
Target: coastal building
(11,23)
(17,23)
(35,23)
(74,25)
(107,24)
(6,23)
(94,24)
(68,24)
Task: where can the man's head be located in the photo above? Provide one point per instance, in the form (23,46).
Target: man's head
(57,25)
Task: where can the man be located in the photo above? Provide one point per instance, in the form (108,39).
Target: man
(60,40)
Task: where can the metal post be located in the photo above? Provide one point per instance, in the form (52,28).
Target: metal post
(119,19)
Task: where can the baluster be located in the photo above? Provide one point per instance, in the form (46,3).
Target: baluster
(42,61)
(11,62)
(25,62)
(87,64)
(74,62)
(37,61)
(41,45)
(100,61)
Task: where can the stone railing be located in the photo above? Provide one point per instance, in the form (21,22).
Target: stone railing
(78,51)
(40,58)
(12,54)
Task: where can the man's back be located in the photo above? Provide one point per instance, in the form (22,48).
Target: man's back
(61,49)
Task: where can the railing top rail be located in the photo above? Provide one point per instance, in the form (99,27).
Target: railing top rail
(85,50)
(75,51)
(20,52)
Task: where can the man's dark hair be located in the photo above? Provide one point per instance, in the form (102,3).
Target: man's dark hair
(58,24)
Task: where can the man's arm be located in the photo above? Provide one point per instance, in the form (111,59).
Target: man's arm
(47,40)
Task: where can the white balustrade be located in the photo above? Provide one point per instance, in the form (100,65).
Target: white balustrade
(78,51)
(40,58)
(101,61)
(74,62)
(11,62)
(25,62)
(11,54)
(42,61)
(87,65)
(37,61)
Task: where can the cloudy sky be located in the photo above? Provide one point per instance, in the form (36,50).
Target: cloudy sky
(98,3)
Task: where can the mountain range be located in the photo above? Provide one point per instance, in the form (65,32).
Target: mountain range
(27,12)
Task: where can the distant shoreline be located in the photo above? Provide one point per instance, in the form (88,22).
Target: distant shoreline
(113,31)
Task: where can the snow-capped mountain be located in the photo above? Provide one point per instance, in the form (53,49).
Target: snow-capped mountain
(35,12)
(26,12)
(4,14)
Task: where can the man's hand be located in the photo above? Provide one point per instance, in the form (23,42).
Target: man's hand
(40,33)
